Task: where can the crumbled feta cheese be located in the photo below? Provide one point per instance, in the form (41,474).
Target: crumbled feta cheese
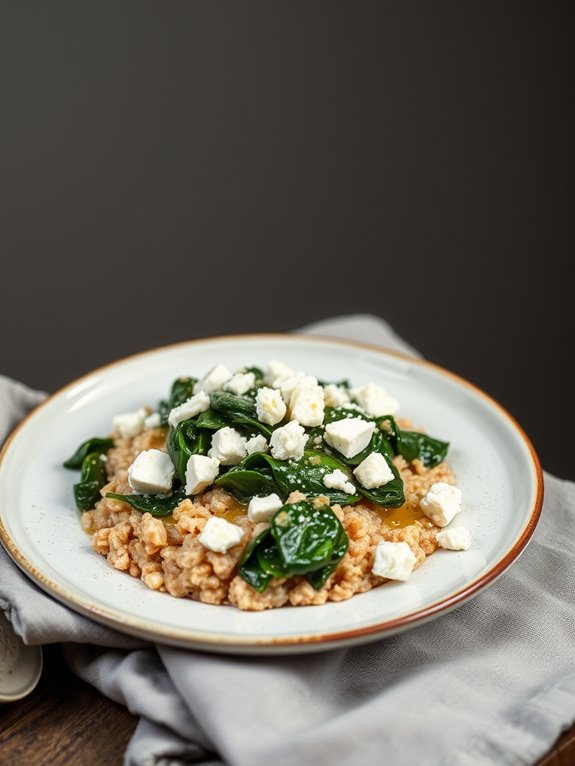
(240,383)
(263,508)
(256,444)
(375,400)
(454,538)
(374,471)
(349,435)
(228,446)
(219,535)
(307,406)
(197,403)
(153,420)
(335,396)
(288,442)
(441,503)
(201,471)
(338,480)
(270,407)
(298,380)
(393,560)
(277,370)
(130,424)
(214,380)
(152,472)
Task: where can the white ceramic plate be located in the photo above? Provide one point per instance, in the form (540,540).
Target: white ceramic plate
(496,467)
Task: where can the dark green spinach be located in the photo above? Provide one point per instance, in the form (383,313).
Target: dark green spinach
(305,474)
(92,479)
(185,440)
(302,540)
(412,444)
(238,410)
(156,505)
(182,389)
(409,444)
(95,445)
(245,483)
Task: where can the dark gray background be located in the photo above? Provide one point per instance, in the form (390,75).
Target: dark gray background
(171,170)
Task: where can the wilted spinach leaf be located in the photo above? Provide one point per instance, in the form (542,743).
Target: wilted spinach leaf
(349,411)
(318,578)
(210,420)
(409,444)
(306,537)
(238,410)
(95,445)
(185,440)
(92,479)
(154,504)
(182,389)
(301,540)
(391,494)
(412,444)
(305,475)
(245,483)
(249,567)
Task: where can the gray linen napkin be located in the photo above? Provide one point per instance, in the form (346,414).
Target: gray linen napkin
(491,683)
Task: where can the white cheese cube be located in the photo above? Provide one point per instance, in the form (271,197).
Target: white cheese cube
(130,424)
(263,508)
(152,472)
(213,380)
(270,407)
(201,471)
(454,538)
(338,480)
(152,421)
(288,385)
(395,561)
(288,442)
(373,471)
(256,444)
(197,403)
(240,383)
(441,503)
(335,396)
(277,370)
(219,535)
(228,446)
(375,400)
(306,406)
(349,435)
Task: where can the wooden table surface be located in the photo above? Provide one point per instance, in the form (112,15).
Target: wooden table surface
(66,722)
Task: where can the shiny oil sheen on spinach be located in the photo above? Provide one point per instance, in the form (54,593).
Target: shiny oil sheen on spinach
(92,479)
(302,540)
(89,459)
(408,444)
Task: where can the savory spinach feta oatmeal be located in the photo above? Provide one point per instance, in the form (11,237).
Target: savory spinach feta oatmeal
(266,488)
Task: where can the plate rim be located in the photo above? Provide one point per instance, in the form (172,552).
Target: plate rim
(217,642)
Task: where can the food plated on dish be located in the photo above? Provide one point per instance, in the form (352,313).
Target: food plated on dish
(491,458)
(262,488)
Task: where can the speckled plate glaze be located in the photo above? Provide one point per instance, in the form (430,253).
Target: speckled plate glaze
(496,467)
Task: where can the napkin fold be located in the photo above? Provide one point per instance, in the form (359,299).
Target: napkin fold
(491,683)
